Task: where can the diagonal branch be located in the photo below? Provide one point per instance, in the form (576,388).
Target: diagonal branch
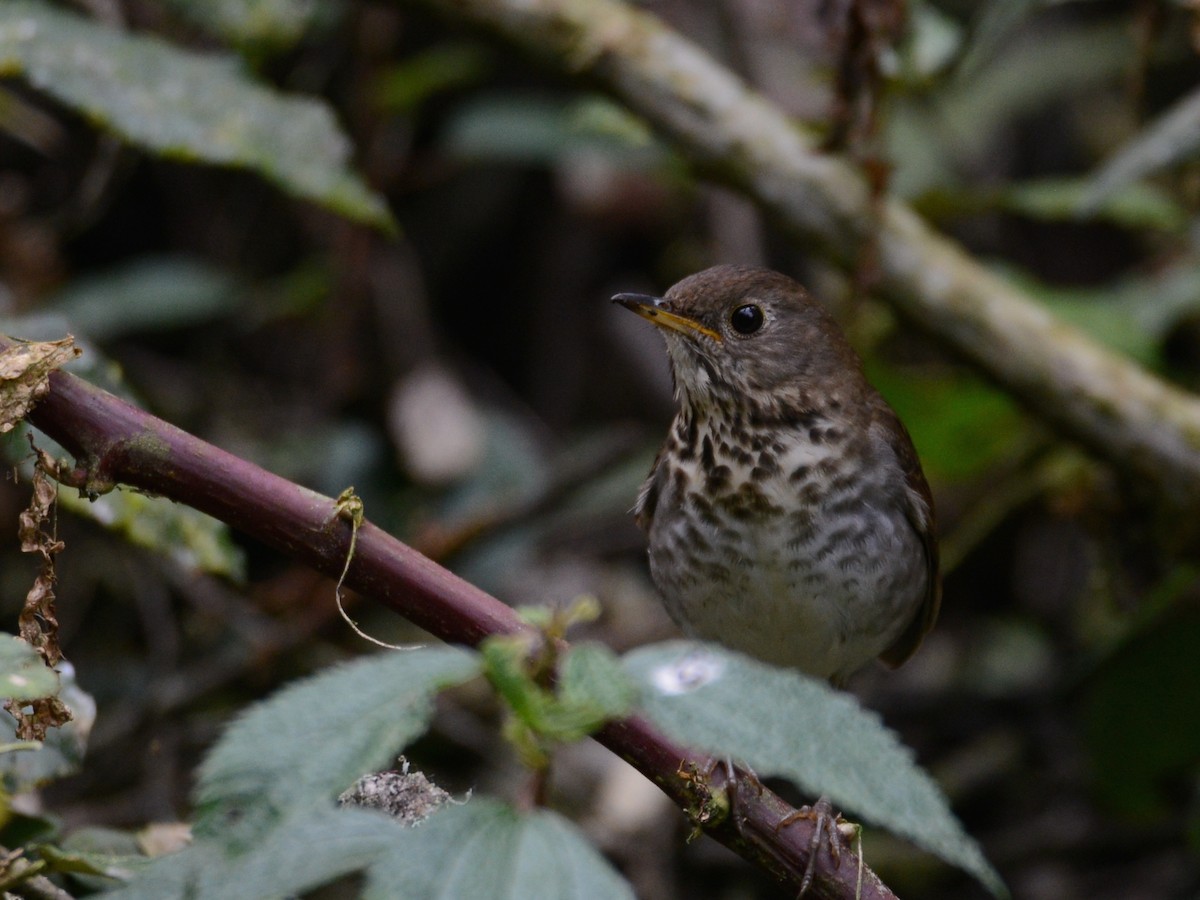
(117,443)
(1120,412)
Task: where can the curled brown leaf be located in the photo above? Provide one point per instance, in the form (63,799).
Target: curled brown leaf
(25,376)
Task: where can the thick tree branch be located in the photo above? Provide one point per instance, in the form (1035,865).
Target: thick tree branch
(1119,411)
(117,443)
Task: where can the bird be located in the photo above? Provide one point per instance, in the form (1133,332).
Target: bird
(787,514)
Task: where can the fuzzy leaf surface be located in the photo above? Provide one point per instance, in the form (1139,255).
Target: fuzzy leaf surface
(299,749)
(782,723)
(485,848)
(184,105)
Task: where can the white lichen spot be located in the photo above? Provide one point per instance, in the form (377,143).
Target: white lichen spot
(691,673)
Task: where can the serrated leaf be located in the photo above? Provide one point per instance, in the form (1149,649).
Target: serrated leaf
(591,688)
(307,743)
(185,105)
(1171,138)
(24,675)
(782,723)
(298,855)
(484,848)
(591,678)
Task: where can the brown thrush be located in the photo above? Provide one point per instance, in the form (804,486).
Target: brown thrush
(787,512)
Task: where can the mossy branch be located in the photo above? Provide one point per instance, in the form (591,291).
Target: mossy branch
(1137,422)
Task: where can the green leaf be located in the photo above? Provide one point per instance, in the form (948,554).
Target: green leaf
(24,675)
(782,723)
(592,680)
(61,753)
(192,539)
(404,86)
(486,849)
(534,130)
(1172,138)
(300,854)
(482,848)
(96,864)
(307,743)
(961,425)
(1060,199)
(273,23)
(147,294)
(592,688)
(183,874)
(1139,719)
(1131,315)
(995,21)
(185,105)
(935,137)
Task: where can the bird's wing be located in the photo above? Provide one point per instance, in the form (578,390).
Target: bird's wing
(918,510)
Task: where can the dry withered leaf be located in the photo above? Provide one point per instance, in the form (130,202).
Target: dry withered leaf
(36,717)
(25,376)
(38,620)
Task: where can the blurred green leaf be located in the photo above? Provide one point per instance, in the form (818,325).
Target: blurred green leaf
(995,22)
(782,723)
(484,848)
(297,855)
(936,138)
(24,675)
(538,130)
(960,425)
(82,863)
(1135,206)
(192,539)
(932,41)
(1139,717)
(186,106)
(299,749)
(270,23)
(403,87)
(1171,138)
(1131,315)
(145,295)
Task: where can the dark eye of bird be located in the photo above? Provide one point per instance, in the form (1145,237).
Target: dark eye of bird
(746,319)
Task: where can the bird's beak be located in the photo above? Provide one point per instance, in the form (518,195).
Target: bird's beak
(651,308)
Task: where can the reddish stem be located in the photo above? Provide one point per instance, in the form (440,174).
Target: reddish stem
(115,442)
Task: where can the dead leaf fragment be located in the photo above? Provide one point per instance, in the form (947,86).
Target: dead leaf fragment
(39,620)
(25,376)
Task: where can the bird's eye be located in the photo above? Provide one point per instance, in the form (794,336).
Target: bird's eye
(747,319)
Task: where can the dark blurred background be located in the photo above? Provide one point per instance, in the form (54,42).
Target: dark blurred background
(470,378)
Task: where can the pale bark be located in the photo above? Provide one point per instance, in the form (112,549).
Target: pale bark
(1121,413)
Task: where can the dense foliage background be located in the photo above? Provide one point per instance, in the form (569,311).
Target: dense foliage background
(468,376)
